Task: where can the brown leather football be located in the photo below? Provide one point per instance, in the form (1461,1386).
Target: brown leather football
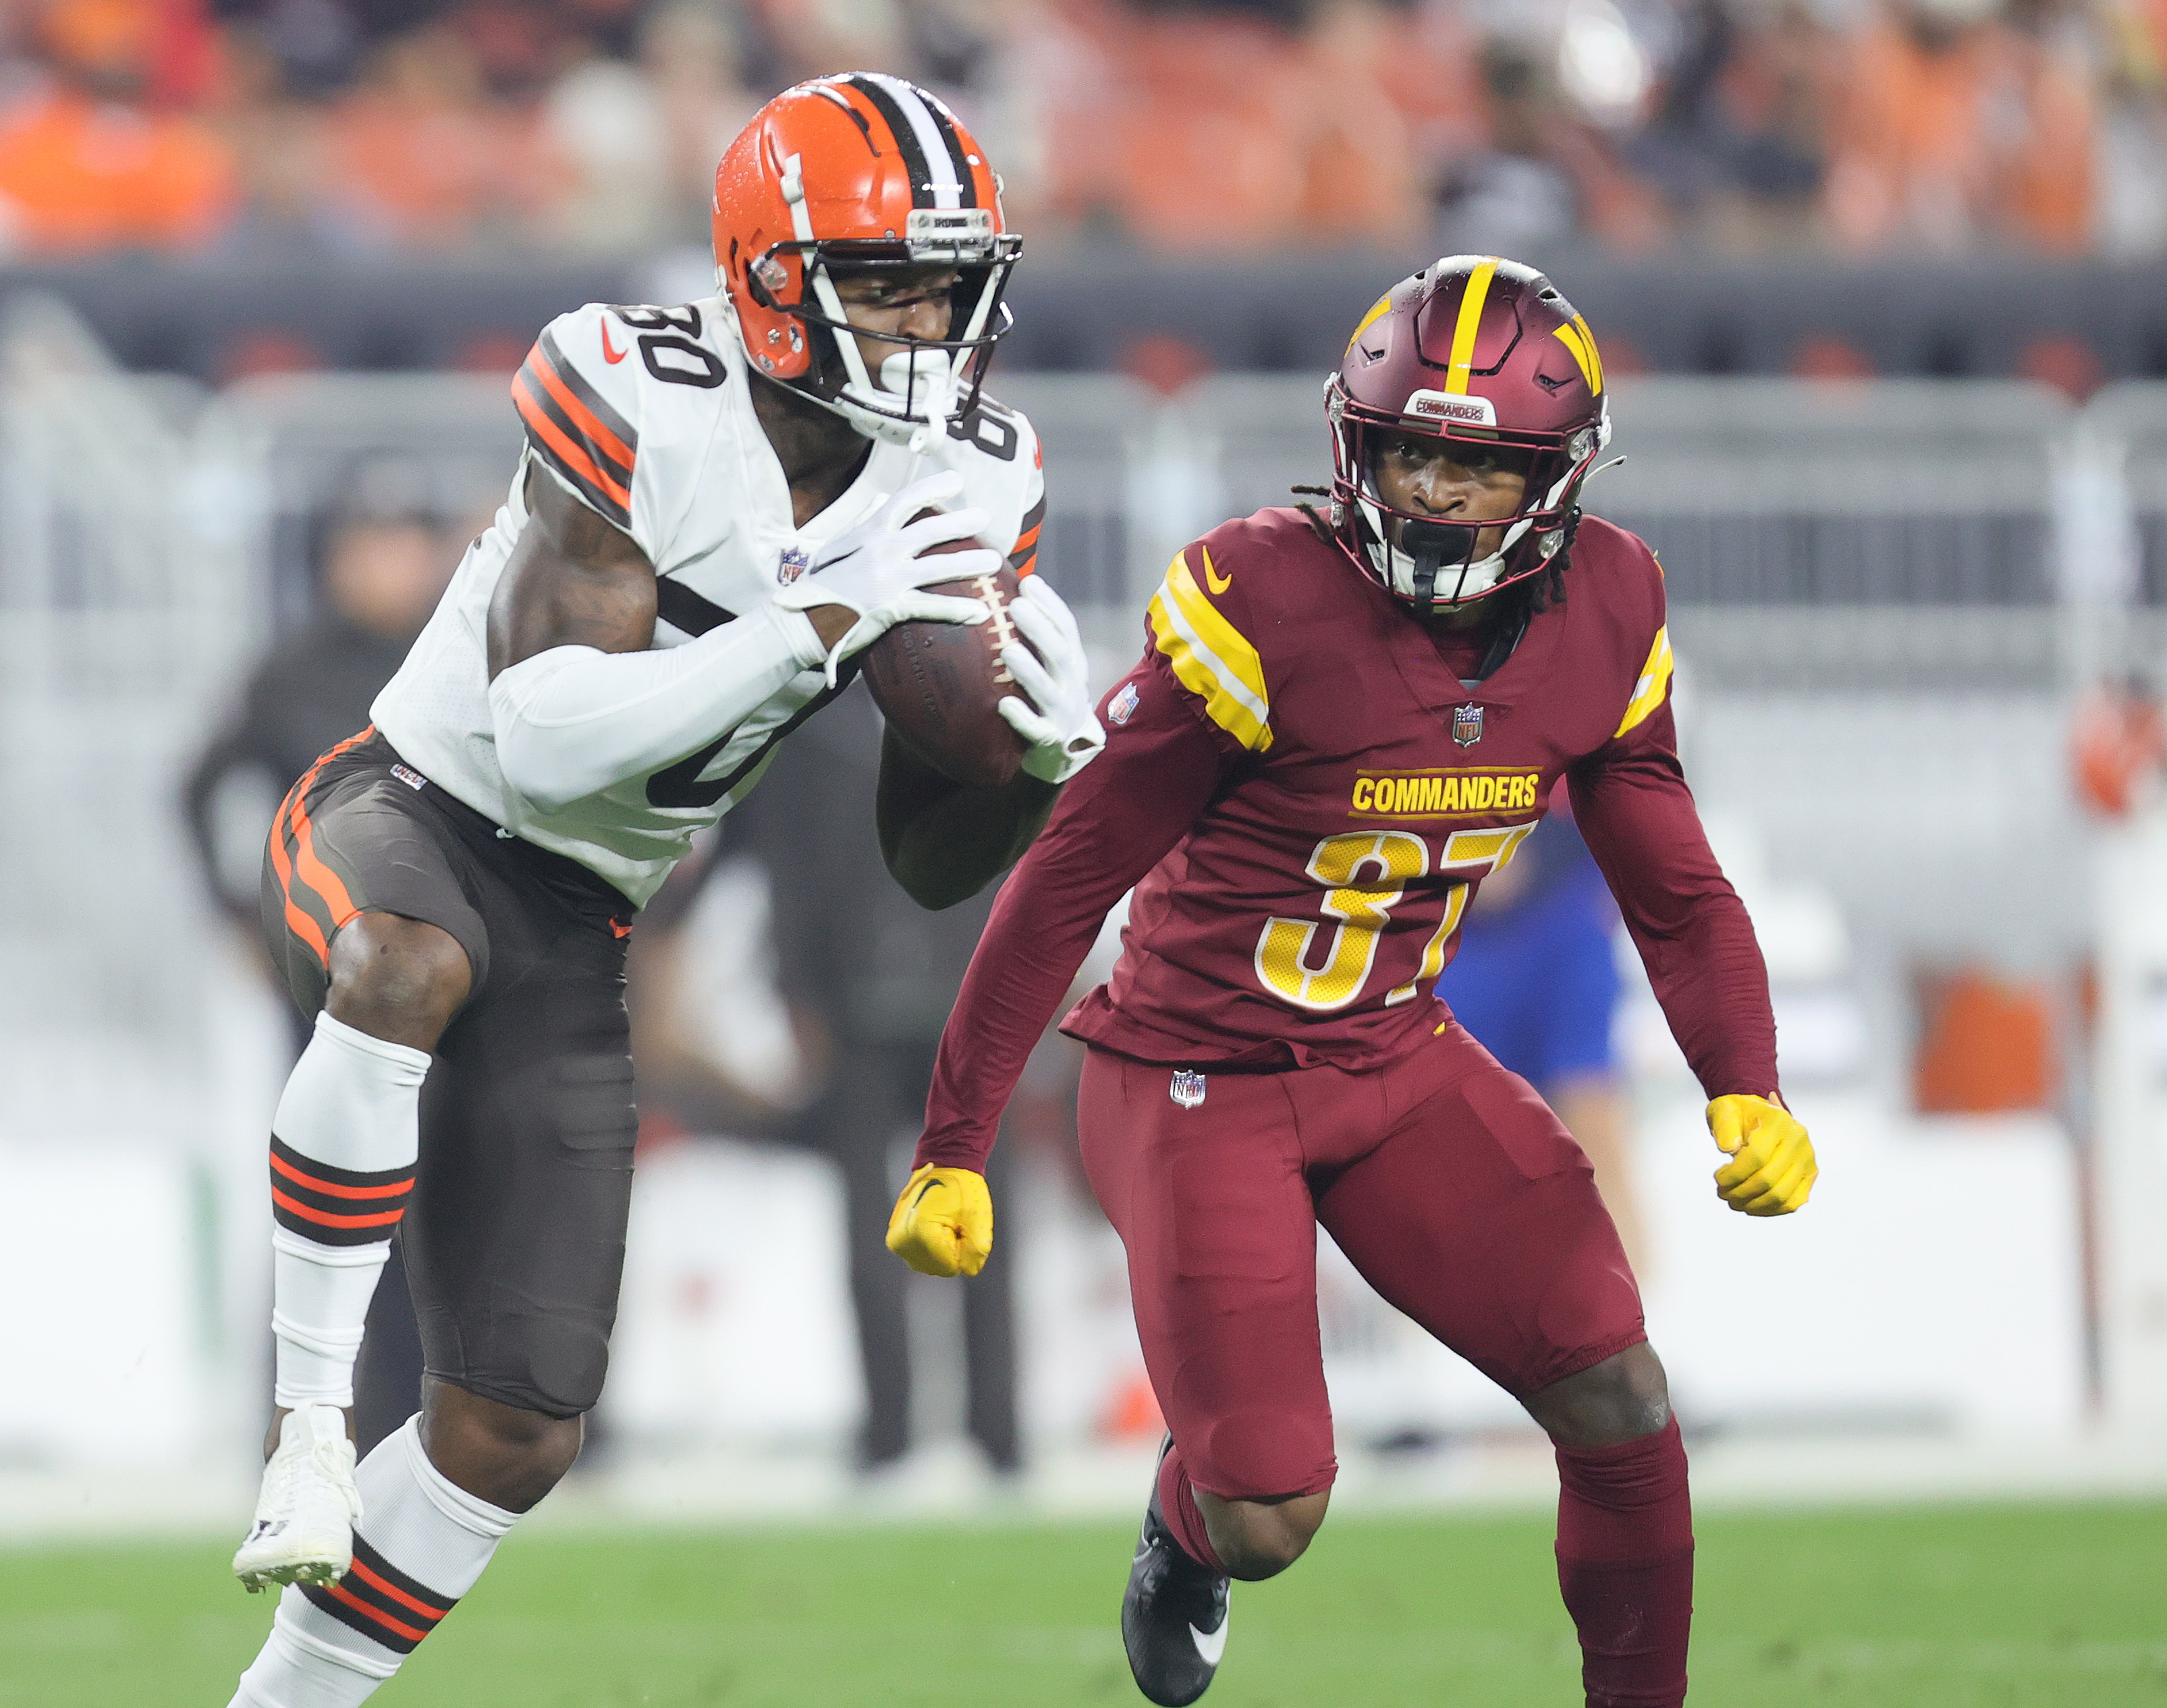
(938,684)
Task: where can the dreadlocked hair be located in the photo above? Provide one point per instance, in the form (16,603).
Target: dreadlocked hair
(1528,598)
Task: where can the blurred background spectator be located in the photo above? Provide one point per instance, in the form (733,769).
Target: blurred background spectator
(466,126)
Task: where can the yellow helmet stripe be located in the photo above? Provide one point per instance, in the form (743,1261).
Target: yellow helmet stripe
(1377,310)
(1577,338)
(1469,322)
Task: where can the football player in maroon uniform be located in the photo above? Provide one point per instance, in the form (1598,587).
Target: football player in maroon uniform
(1337,729)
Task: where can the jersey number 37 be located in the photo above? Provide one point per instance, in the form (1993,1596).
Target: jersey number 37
(1365,874)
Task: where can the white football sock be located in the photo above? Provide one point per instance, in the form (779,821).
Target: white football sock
(421,1542)
(342,1150)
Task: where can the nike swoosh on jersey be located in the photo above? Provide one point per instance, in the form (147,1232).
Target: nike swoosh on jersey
(1213,1647)
(610,354)
(1212,579)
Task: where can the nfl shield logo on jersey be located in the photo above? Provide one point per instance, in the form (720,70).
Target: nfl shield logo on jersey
(792,566)
(1467,724)
(1187,1089)
(1123,706)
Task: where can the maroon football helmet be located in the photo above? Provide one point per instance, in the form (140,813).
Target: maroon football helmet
(1478,350)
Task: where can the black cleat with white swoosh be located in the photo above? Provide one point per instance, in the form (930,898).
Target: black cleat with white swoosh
(1173,1617)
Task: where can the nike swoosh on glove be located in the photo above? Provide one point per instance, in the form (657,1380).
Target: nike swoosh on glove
(1772,1170)
(876,569)
(943,1223)
(1057,719)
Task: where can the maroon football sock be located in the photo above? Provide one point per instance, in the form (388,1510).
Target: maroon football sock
(1625,1559)
(1177,1505)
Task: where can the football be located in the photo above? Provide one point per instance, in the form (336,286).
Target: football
(938,684)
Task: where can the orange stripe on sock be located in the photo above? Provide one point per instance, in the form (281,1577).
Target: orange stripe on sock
(382,1218)
(326,1187)
(600,437)
(376,1582)
(575,458)
(382,1618)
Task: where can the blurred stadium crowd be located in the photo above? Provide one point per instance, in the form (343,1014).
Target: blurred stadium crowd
(290,129)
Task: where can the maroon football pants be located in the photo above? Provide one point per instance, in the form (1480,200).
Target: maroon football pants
(1445,1179)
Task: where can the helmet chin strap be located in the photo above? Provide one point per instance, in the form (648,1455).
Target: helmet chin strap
(1413,567)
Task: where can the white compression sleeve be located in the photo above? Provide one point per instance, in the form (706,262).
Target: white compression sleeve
(573,720)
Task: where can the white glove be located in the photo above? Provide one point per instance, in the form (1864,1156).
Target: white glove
(874,569)
(1058,721)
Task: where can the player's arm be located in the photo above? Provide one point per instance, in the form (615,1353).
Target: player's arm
(1630,800)
(944,842)
(1116,821)
(580,701)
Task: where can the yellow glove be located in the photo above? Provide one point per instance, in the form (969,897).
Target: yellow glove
(1772,1170)
(943,1223)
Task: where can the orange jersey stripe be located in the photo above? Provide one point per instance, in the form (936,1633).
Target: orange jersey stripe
(554,436)
(583,418)
(314,1185)
(376,1614)
(1027,540)
(375,1582)
(297,918)
(297,921)
(315,874)
(382,1218)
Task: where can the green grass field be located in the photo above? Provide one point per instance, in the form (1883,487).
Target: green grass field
(1987,1607)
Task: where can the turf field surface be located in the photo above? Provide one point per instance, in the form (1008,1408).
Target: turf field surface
(1985,1607)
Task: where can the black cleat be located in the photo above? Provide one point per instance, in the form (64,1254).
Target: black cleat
(1173,1615)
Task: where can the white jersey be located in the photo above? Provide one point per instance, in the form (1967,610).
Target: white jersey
(647,415)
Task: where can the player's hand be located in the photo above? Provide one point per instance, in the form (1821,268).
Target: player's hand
(874,569)
(1057,719)
(943,1223)
(1772,1170)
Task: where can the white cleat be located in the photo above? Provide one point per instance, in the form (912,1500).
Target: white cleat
(305,1518)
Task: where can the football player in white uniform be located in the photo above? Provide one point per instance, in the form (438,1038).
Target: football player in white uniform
(713,518)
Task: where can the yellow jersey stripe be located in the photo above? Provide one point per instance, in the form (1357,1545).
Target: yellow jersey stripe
(1469,323)
(1655,682)
(1211,658)
(1376,313)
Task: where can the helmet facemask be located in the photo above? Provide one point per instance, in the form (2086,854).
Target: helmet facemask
(1429,560)
(925,384)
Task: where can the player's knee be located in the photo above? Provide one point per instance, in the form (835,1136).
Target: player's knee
(1621,1399)
(1255,1538)
(507,1456)
(397,978)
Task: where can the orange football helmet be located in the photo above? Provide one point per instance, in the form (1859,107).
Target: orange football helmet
(861,171)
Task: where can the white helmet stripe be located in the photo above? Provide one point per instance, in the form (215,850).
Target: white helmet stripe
(940,165)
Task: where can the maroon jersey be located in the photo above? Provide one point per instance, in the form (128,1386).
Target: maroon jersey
(1305,798)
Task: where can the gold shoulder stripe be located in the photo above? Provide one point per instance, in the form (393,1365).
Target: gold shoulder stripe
(1577,338)
(1469,323)
(1210,657)
(1376,313)
(1655,682)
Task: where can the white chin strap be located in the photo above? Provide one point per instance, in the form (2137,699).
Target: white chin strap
(1454,585)
(924,383)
